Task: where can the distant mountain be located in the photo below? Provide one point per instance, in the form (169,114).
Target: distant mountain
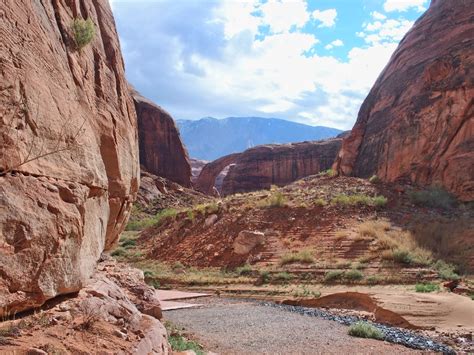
(210,138)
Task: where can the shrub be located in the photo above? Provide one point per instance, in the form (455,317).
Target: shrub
(119,252)
(328,172)
(83,31)
(320,202)
(359,199)
(379,201)
(177,266)
(402,256)
(159,218)
(434,196)
(244,270)
(426,287)
(277,199)
(264,276)
(333,275)
(365,330)
(128,243)
(446,271)
(283,276)
(353,275)
(190,216)
(374,179)
(373,280)
(303,256)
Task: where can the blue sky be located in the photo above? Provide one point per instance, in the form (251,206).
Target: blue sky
(310,61)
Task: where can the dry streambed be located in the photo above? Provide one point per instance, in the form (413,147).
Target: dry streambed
(236,326)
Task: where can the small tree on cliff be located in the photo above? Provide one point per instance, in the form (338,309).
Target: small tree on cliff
(84,32)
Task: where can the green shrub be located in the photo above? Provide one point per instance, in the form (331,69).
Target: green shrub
(265,276)
(177,266)
(83,31)
(434,196)
(328,172)
(373,280)
(128,243)
(303,256)
(320,202)
(365,330)
(374,179)
(283,276)
(353,275)
(402,256)
(119,252)
(190,216)
(446,271)
(244,270)
(359,199)
(333,275)
(148,274)
(426,287)
(152,221)
(277,199)
(379,201)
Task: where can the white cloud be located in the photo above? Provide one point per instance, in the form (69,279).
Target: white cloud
(326,17)
(385,31)
(404,5)
(282,15)
(378,16)
(335,43)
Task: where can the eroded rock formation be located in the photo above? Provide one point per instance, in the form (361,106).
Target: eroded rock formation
(69,150)
(207,178)
(161,151)
(417,122)
(279,164)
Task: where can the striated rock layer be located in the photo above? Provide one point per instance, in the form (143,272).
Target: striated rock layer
(161,151)
(260,167)
(68,148)
(417,122)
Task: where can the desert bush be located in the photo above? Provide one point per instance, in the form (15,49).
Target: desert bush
(434,196)
(373,280)
(244,270)
(157,219)
(374,179)
(328,172)
(333,275)
(178,342)
(303,256)
(426,287)
(365,330)
(353,275)
(320,202)
(305,292)
(177,266)
(190,216)
(207,208)
(120,252)
(90,315)
(283,276)
(128,243)
(83,31)
(276,199)
(402,256)
(446,271)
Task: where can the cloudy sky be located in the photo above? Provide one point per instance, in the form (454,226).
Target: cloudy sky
(311,61)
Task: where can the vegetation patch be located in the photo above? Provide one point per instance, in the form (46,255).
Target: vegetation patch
(244,270)
(426,287)
(155,220)
(353,275)
(179,342)
(328,172)
(446,271)
(283,276)
(365,330)
(276,199)
(359,199)
(333,275)
(434,196)
(374,179)
(83,31)
(303,256)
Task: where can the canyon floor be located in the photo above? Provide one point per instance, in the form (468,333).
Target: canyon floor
(388,253)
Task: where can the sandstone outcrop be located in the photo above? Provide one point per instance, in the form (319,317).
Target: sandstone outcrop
(161,151)
(196,167)
(69,149)
(279,164)
(417,122)
(207,178)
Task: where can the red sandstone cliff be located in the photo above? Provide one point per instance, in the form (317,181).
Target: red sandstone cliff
(69,150)
(161,151)
(279,164)
(417,122)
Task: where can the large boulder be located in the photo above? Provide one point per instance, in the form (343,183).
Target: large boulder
(69,168)
(162,152)
(417,122)
(278,164)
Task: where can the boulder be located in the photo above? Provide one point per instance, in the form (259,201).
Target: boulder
(417,122)
(68,148)
(246,241)
(162,152)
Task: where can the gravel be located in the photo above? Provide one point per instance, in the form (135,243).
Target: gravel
(232,326)
(391,334)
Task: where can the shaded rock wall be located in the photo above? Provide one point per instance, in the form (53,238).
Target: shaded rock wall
(68,148)
(417,122)
(260,167)
(161,151)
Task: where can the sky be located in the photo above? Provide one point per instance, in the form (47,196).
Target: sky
(309,61)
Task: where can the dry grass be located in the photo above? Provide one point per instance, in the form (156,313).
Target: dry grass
(303,256)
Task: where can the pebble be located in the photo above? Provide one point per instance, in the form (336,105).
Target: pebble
(391,334)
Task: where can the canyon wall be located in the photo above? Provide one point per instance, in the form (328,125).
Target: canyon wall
(207,177)
(417,123)
(69,168)
(162,152)
(279,164)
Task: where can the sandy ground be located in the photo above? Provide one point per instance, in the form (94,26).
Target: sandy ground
(238,327)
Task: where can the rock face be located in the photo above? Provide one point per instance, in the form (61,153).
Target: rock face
(196,167)
(69,149)
(417,122)
(161,151)
(260,167)
(207,178)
